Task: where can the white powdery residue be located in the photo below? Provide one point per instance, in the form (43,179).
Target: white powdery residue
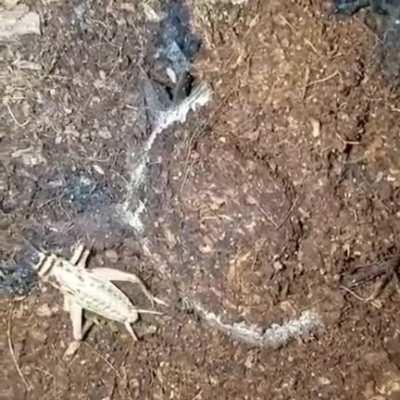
(198,98)
(138,170)
(131,218)
(177,113)
(273,337)
(279,335)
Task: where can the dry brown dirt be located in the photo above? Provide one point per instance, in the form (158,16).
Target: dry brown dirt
(280,195)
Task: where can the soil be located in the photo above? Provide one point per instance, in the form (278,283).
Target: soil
(279,196)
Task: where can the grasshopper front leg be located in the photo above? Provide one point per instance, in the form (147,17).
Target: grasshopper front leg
(79,332)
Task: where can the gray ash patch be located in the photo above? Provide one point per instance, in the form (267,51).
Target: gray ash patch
(74,193)
(84,193)
(17,280)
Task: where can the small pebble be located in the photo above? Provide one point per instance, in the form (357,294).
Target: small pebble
(316,128)
(134,383)
(104,133)
(38,335)
(278,266)
(44,311)
(323,381)
(111,255)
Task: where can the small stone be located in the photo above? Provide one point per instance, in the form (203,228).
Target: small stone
(278,266)
(390,385)
(316,128)
(104,133)
(376,358)
(250,361)
(151,14)
(44,311)
(112,256)
(150,330)
(213,381)
(324,381)
(19,312)
(369,391)
(70,130)
(38,335)
(134,383)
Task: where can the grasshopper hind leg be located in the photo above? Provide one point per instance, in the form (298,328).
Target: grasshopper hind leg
(129,328)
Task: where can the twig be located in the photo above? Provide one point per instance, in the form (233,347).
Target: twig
(28,386)
(47,202)
(267,216)
(347,142)
(354,294)
(323,79)
(15,119)
(306,81)
(389,273)
(289,213)
(288,23)
(308,42)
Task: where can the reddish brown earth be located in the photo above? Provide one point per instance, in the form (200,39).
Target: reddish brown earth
(265,203)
